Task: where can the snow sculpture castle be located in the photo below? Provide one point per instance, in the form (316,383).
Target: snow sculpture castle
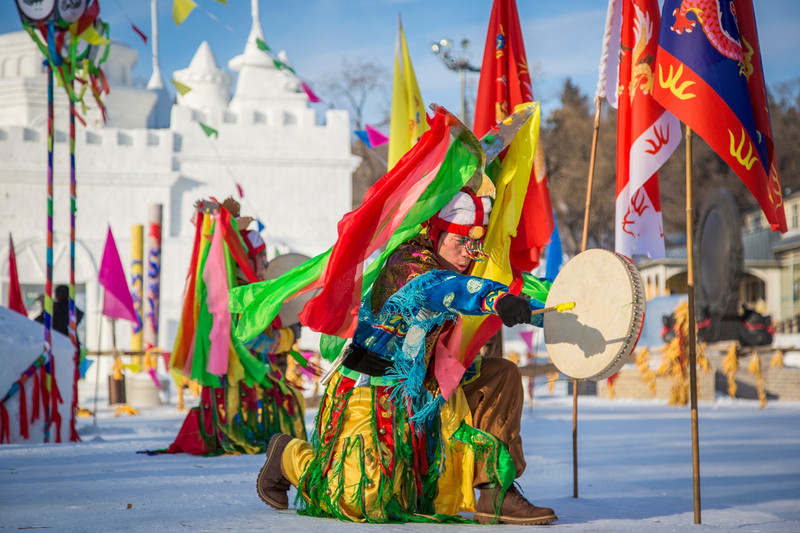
(296,172)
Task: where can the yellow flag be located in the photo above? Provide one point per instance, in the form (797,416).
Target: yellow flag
(408,120)
(181,10)
(512,186)
(182,89)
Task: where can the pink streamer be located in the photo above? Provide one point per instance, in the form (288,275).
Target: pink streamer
(154,377)
(216,279)
(447,368)
(313,98)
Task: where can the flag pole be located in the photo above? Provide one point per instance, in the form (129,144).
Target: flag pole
(598,104)
(692,329)
(48,291)
(73,314)
(97,362)
(589,182)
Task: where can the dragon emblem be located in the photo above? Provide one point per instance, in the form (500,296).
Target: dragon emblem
(641,60)
(711,16)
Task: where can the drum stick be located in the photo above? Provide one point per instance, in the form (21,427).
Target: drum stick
(560,308)
(337,363)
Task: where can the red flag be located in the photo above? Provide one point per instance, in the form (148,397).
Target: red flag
(335,309)
(505,82)
(646,133)
(708,73)
(117,300)
(15,301)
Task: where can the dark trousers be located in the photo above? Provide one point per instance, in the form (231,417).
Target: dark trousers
(496,399)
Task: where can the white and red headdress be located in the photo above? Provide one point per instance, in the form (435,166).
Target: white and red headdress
(466,214)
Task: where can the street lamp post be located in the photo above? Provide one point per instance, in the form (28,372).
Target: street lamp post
(444,50)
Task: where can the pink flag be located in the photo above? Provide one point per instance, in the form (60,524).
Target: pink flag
(376,137)
(216,278)
(117,301)
(313,98)
(527,337)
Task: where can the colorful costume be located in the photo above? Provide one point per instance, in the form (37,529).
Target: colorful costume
(387,447)
(411,422)
(245,398)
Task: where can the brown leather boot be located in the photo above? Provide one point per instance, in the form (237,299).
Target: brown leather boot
(272,486)
(515,509)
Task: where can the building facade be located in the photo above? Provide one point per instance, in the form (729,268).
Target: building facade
(771,275)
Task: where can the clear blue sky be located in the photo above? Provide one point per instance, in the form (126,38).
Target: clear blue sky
(562,38)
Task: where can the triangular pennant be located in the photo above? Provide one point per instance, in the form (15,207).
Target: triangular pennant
(281,65)
(312,97)
(262,45)
(117,301)
(376,137)
(527,337)
(15,301)
(181,10)
(361,134)
(209,131)
(181,88)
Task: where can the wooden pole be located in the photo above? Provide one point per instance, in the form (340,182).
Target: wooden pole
(591,174)
(590,181)
(692,327)
(97,367)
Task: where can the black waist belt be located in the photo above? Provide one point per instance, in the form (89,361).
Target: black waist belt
(364,361)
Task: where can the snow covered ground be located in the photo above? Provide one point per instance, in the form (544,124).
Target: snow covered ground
(635,473)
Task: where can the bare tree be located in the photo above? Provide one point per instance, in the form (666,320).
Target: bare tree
(355,86)
(566,138)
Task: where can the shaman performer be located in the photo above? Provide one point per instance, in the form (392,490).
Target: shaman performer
(245,397)
(387,447)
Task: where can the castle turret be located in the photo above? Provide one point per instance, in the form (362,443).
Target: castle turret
(159,117)
(210,85)
(261,86)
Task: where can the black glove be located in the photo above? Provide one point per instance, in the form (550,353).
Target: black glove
(513,310)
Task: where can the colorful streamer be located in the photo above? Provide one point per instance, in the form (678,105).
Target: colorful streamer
(48,290)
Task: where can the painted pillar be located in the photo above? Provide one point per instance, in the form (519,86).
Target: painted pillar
(152,286)
(137,251)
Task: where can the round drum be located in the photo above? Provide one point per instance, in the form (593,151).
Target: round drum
(595,338)
(290,310)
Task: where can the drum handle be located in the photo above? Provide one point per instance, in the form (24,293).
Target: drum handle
(560,308)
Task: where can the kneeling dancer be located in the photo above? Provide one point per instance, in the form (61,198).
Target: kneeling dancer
(387,446)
